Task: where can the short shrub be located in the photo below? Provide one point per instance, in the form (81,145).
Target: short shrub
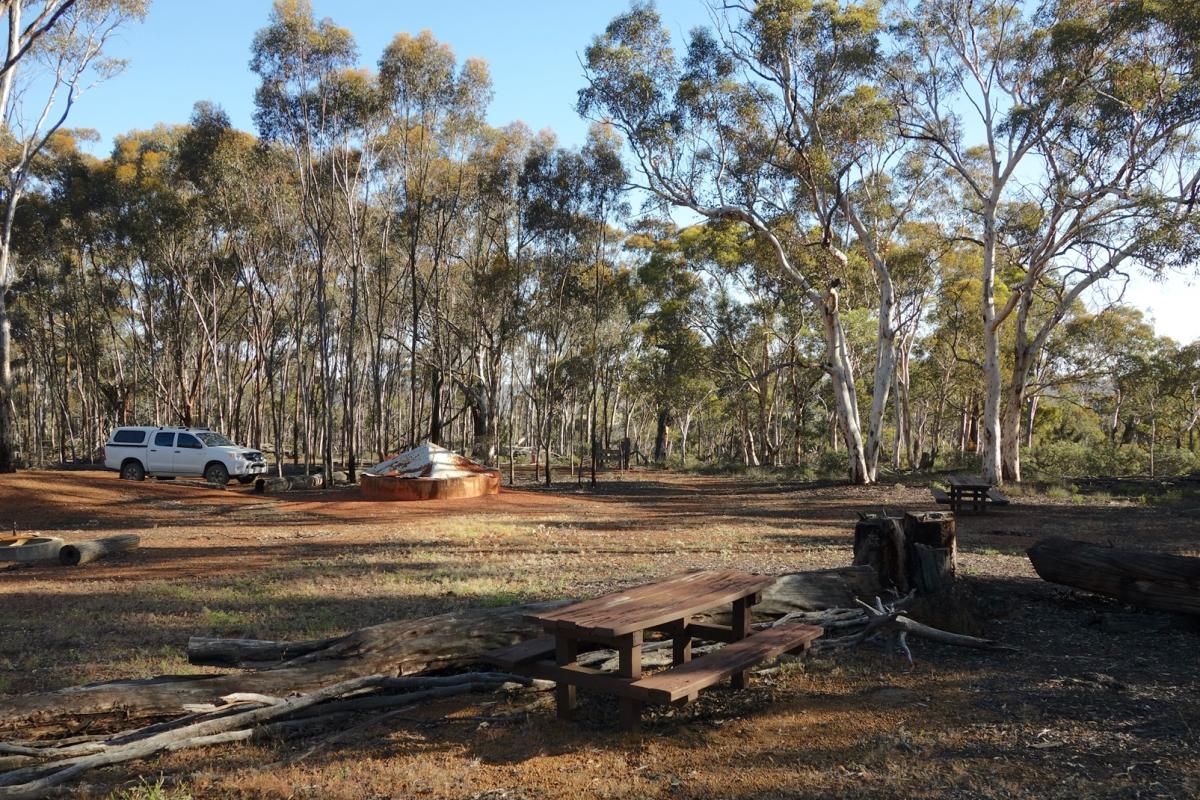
(721,468)
(1058,458)
(1072,459)
(1169,462)
(1057,492)
(831,464)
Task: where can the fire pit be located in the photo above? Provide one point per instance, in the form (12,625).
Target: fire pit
(429,472)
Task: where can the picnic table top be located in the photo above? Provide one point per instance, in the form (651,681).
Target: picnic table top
(652,604)
(968,482)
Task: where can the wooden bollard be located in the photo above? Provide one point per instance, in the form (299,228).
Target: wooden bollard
(82,552)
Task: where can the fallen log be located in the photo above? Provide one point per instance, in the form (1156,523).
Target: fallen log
(271,485)
(886,620)
(1160,581)
(73,555)
(818,589)
(207,651)
(315,481)
(405,647)
(395,648)
(924,631)
(29,548)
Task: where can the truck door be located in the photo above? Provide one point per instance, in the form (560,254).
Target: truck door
(161,453)
(190,456)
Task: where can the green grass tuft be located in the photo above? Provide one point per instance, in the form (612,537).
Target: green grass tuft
(145,790)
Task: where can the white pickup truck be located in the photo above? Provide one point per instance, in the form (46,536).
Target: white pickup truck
(172,452)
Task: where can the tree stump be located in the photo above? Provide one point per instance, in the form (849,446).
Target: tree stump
(932,568)
(879,543)
(934,530)
(918,551)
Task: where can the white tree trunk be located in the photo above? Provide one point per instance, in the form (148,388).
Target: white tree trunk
(1014,406)
(7,434)
(885,369)
(683,439)
(885,357)
(989,434)
(841,373)
(1010,431)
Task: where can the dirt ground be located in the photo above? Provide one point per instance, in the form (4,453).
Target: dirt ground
(1101,701)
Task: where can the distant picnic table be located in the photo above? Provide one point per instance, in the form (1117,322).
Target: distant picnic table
(969,493)
(620,620)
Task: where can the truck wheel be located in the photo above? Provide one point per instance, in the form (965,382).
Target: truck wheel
(132,470)
(216,474)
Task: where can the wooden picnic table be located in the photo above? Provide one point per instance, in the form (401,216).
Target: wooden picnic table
(968,492)
(620,620)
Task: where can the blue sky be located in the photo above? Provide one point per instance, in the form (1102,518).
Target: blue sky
(190,50)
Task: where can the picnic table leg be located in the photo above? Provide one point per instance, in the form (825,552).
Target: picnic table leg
(681,643)
(741,629)
(681,652)
(566,650)
(629,665)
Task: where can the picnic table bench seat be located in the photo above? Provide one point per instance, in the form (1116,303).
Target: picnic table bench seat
(680,681)
(687,679)
(514,656)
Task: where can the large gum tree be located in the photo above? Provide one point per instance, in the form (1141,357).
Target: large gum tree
(1070,127)
(773,119)
(55,52)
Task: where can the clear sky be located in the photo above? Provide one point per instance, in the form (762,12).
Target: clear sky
(190,50)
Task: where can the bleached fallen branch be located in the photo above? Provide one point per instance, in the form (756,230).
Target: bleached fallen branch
(233,723)
(883,620)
